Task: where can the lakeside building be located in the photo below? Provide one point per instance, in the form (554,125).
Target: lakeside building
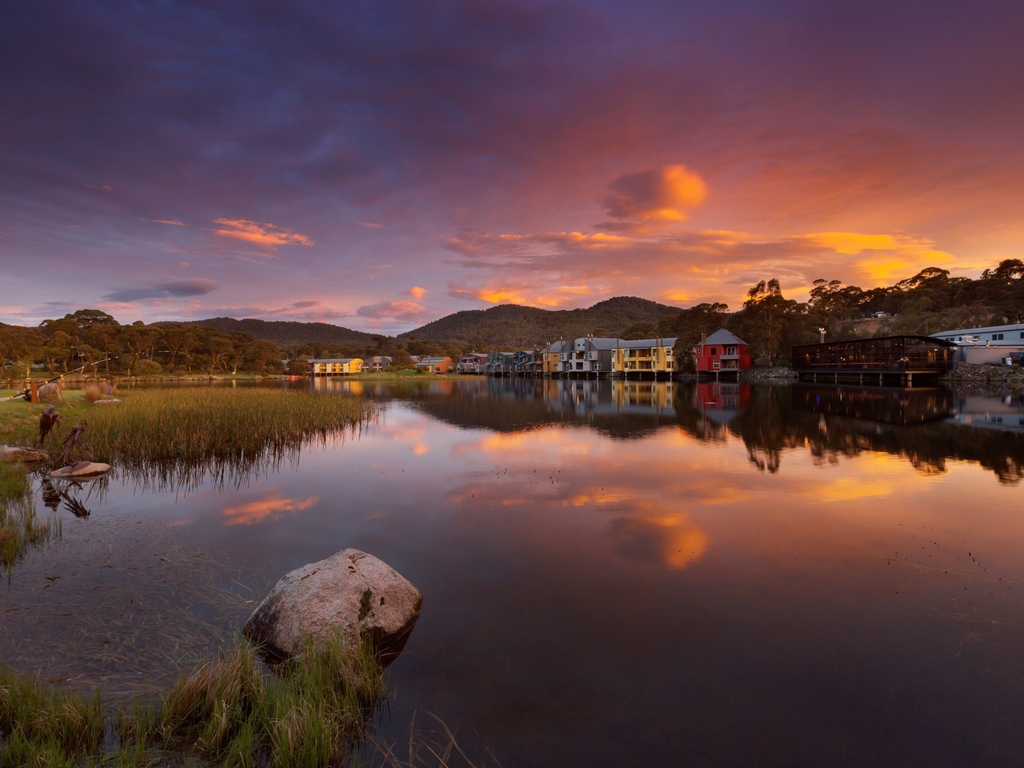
(722,352)
(644,358)
(471,362)
(551,357)
(342,366)
(588,357)
(989,344)
(879,360)
(435,364)
(376,364)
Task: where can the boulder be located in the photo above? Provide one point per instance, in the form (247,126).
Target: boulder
(81,469)
(351,593)
(49,393)
(107,401)
(14,453)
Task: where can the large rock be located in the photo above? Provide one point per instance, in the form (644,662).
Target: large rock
(351,593)
(107,401)
(14,453)
(49,393)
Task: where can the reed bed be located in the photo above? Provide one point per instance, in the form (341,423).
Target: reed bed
(179,437)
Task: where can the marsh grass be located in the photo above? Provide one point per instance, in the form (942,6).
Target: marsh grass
(178,437)
(46,726)
(229,712)
(20,528)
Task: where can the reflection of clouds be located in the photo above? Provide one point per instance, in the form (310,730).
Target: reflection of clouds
(271,507)
(414,435)
(670,540)
(530,444)
(849,488)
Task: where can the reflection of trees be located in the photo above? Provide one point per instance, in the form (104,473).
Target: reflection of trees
(890,421)
(781,418)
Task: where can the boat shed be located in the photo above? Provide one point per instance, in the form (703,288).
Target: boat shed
(869,361)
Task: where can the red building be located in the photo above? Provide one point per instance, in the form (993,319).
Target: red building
(721,351)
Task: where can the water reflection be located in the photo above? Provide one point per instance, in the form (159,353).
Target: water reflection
(613,575)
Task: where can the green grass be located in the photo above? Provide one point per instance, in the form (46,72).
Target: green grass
(230,712)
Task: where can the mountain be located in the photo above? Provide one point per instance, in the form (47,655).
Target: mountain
(286,332)
(512,325)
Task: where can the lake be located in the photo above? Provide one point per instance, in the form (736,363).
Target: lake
(614,573)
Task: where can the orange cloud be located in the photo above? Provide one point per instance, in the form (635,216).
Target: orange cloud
(264,235)
(528,294)
(417,292)
(271,507)
(656,195)
(173,222)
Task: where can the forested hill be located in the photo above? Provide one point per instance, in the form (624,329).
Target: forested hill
(285,332)
(514,326)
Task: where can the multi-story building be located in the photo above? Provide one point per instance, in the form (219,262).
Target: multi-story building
(343,366)
(644,358)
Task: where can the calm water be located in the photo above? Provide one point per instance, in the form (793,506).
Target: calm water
(613,574)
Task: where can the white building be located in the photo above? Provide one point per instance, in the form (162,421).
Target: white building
(985,345)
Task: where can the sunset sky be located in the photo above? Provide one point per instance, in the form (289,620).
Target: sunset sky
(381,164)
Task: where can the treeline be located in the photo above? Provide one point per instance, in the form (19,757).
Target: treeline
(94,342)
(928,302)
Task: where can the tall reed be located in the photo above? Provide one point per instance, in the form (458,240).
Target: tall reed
(179,436)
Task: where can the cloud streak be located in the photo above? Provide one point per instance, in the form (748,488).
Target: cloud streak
(173,290)
(264,235)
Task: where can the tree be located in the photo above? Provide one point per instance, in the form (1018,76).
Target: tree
(690,326)
(766,311)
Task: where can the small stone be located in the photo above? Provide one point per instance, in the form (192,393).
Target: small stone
(81,469)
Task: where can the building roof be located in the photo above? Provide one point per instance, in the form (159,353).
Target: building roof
(432,360)
(722,336)
(641,343)
(599,343)
(985,329)
(333,360)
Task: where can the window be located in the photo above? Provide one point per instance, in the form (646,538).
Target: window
(716,364)
(714,350)
(997,337)
(597,367)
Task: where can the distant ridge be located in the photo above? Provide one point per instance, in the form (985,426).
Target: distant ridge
(288,332)
(513,325)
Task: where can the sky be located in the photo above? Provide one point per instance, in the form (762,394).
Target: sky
(379,165)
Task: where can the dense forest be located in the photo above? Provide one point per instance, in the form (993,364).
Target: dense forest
(928,302)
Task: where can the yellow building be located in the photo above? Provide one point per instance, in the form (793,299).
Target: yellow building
(644,357)
(344,366)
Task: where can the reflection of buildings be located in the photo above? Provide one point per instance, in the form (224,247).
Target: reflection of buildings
(721,401)
(889,406)
(1005,412)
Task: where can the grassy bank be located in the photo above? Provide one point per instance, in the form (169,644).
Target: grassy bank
(231,712)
